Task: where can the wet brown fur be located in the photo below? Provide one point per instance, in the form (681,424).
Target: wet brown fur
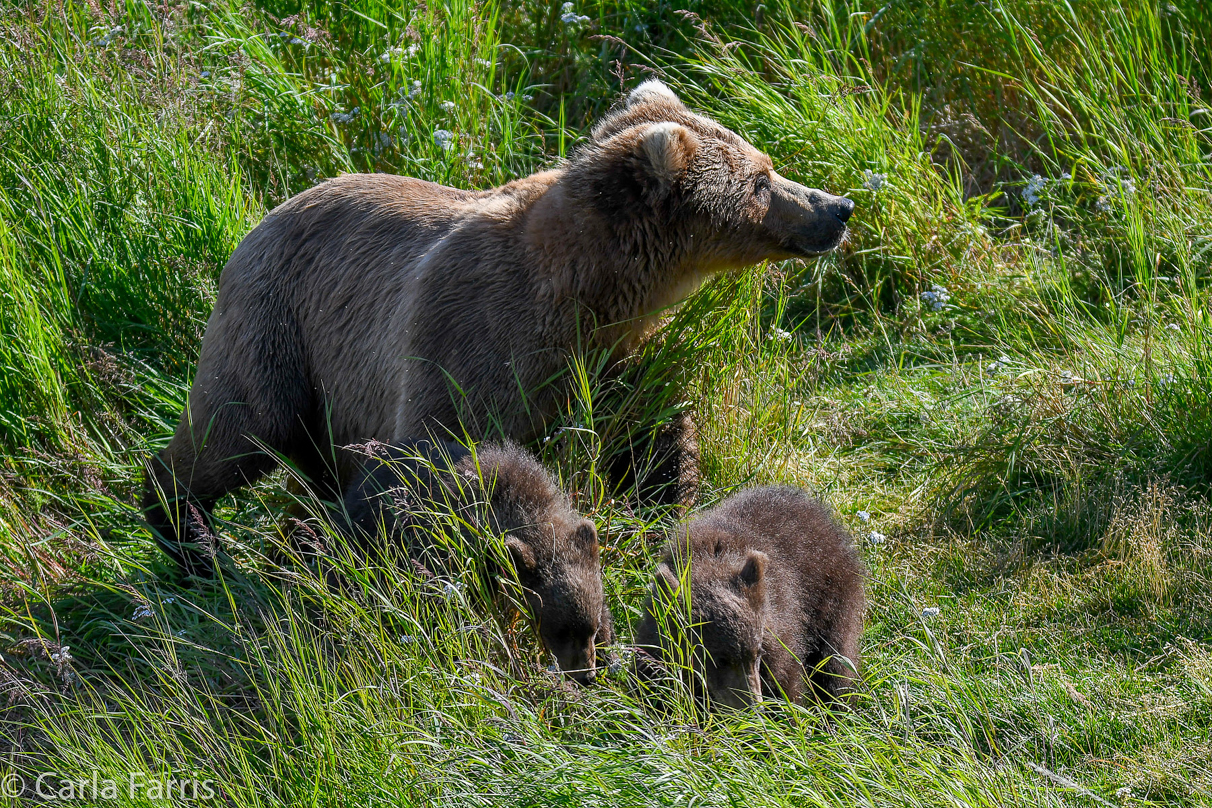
(774,581)
(375,306)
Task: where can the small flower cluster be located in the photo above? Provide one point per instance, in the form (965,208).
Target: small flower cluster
(447,106)
(408,52)
(930,611)
(779,334)
(142,611)
(936,297)
(345,117)
(570,18)
(998,365)
(874,182)
(1033,193)
(444,139)
(402,104)
(108,37)
(1035,187)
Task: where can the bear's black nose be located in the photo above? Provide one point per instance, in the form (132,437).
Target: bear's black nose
(844,208)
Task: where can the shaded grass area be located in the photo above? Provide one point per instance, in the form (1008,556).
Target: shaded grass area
(1000,382)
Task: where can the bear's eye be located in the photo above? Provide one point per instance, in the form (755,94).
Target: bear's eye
(761,184)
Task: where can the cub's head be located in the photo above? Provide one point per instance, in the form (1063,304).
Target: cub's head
(554,552)
(563,590)
(709,192)
(710,617)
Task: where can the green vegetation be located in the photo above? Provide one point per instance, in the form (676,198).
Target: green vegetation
(1000,382)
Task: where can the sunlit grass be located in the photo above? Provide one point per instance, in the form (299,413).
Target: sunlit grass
(1029,455)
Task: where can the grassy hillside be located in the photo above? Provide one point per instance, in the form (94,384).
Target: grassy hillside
(1001,383)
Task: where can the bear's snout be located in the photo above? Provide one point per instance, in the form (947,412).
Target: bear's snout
(806,221)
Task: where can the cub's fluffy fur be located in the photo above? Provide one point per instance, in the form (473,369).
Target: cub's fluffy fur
(775,595)
(404,491)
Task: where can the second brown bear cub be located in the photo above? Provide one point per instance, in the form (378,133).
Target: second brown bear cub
(499,490)
(775,600)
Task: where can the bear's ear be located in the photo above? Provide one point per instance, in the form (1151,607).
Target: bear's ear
(653,90)
(668,148)
(521,553)
(750,579)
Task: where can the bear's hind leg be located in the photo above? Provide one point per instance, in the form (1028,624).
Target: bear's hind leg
(220,444)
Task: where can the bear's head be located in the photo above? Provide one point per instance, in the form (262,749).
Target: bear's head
(554,552)
(710,615)
(564,593)
(712,198)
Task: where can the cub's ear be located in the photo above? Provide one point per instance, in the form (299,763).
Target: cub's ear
(653,90)
(586,536)
(668,148)
(750,578)
(521,553)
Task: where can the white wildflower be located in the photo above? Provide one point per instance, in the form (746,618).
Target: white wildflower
(570,18)
(930,611)
(386,56)
(444,139)
(452,590)
(875,537)
(780,334)
(936,297)
(1103,205)
(1174,327)
(447,106)
(416,88)
(874,182)
(1166,380)
(863,517)
(998,365)
(1127,186)
(62,656)
(412,50)
(142,611)
(1035,187)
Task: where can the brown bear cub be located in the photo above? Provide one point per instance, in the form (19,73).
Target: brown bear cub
(775,601)
(407,492)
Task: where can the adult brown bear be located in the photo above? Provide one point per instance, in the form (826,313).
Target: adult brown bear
(381,307)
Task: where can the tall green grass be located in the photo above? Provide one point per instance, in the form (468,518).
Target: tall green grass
(1025,447)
